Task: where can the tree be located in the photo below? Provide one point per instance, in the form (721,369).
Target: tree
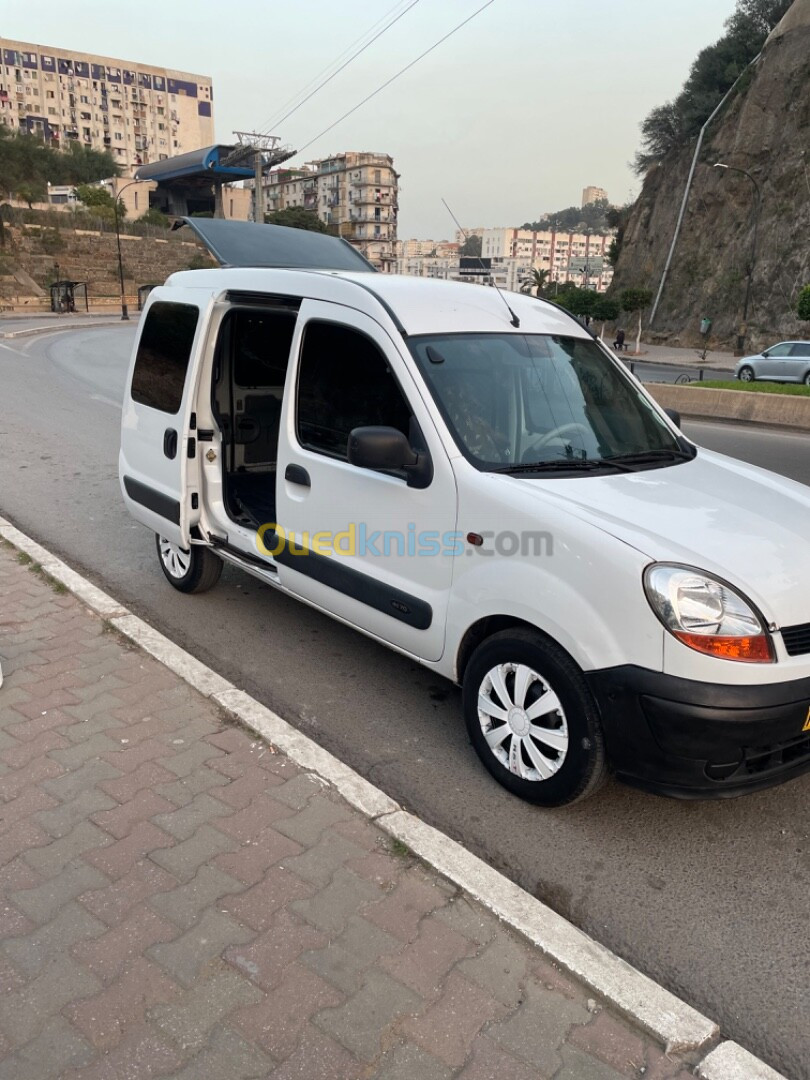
(536,283)
(153,216)
(605,310)
(100,202)
(636,300)
(713,73)
(580,302)
(297,217)
(32,192)
(804,304)
(471,248)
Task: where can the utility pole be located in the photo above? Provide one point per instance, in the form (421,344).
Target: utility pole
(266,154)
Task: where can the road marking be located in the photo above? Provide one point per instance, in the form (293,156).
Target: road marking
(15,351)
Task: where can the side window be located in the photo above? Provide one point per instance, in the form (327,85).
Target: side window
(163,353)
(801,349)
(344,382)
(262,347)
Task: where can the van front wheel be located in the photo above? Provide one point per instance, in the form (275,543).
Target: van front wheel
(192,570)
(532,719)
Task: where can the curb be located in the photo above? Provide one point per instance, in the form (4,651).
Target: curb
(788,411)
(676,1025)
(31,331)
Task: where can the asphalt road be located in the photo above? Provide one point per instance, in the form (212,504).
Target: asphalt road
(711,899)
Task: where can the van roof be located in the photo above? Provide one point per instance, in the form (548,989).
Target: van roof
(414,305)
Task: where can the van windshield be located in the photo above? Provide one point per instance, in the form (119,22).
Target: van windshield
(535,402)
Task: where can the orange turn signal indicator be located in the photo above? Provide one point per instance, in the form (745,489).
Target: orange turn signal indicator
(751,650)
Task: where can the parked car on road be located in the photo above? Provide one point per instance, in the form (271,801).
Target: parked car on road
(789,361)
(472,479)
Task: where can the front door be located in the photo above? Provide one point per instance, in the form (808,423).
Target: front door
(158,458)
(361,544)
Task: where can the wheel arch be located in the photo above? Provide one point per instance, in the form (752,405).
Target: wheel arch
(484,628)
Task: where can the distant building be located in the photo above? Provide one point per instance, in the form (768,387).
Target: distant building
(578,257)
(439,248)
(140,113)
(355,194)
(592,195)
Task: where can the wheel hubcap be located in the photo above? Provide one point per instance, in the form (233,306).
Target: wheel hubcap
(174,558)
(523,721)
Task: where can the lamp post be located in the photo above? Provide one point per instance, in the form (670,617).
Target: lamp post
(757,208)
(117,196)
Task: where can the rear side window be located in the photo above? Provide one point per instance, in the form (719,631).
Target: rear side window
(163,353)
(802,348)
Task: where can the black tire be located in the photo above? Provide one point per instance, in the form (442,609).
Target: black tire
(583,765)
(807,379)
(746,374)
(204,568)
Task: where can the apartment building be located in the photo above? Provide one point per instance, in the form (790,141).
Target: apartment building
(578,257)
(140,113)
(593,194)
(443,249)
(355,194)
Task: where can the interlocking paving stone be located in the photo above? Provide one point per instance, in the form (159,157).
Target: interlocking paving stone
(42,902)
(265,958)
(346,957)
(184,859)
(403,909)
(119,819)
(185,904)
(106,1018)
(500,968)
(24,1014)
(57,1047)
(407,1062)
(186,956)
(108,955)
(539,1027)
(184,821)
(424,964)
(332,907)
(115,900)
(256,906)
(309,824)
(229,1055)
(448,1028)
(365,1024)
(143,1054)
(62,819)
(82,838)
(278,1020)
(189,1020)
(72,924)
(578,1065)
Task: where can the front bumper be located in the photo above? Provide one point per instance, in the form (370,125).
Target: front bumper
(695,740)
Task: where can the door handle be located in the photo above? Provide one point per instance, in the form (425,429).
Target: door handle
(170,443)
(297,474)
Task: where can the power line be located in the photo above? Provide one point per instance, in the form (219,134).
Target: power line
(273,122)
(397,75)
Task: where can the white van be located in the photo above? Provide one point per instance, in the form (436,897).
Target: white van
(470,478)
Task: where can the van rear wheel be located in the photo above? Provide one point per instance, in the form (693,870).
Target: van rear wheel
(192,570)
(532,719)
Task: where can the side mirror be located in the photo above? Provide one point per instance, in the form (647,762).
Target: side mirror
(386,448)
(674,416)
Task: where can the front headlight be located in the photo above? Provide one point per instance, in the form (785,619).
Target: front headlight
(706,614)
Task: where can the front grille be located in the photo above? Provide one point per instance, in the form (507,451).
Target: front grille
(797,639)
(764,758)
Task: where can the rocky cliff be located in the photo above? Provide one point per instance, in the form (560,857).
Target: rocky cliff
(764,128)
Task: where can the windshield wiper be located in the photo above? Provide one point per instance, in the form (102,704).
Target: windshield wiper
(655,455)
(564,464)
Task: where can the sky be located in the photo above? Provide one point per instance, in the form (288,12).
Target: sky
(509,118)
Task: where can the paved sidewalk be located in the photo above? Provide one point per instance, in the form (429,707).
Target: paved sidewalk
(180,900)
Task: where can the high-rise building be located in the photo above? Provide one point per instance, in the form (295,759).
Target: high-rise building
(140,113)
(592,195)
(355,194)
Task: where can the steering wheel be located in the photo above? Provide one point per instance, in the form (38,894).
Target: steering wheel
(563,429)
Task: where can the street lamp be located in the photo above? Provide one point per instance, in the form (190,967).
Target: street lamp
(757,209)
(116,197)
